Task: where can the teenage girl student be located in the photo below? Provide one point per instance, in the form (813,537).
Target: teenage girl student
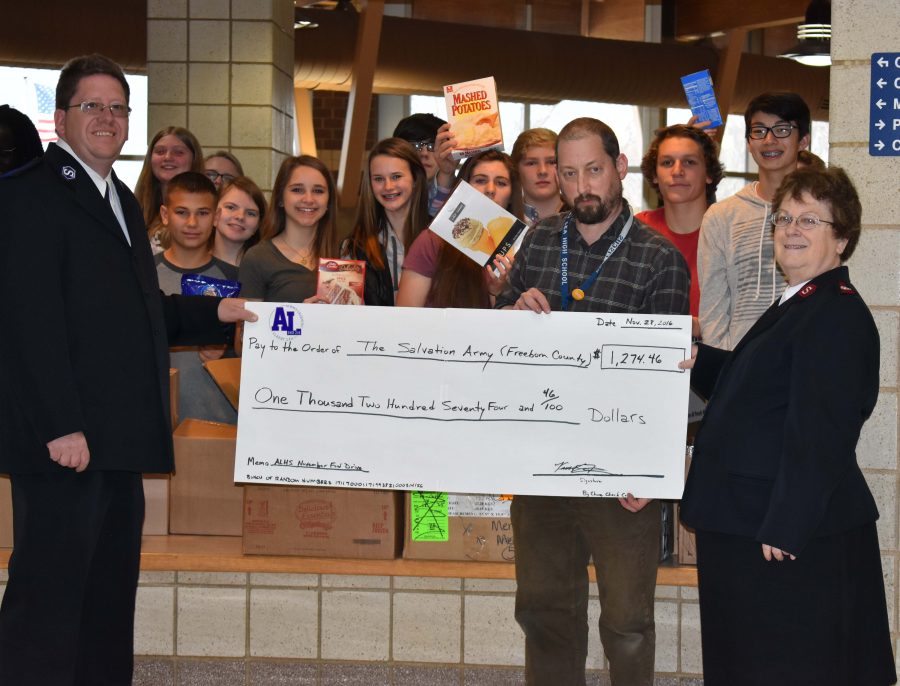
(438,275)
(172,150)
(393,209)
(222,168)
(241,210)
(298,228)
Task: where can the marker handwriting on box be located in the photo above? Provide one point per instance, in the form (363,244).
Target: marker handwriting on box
(428,516)
(701,97)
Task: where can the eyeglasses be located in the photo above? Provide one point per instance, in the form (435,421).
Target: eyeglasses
(214,176)
(420,145)
(93,109)
(807,222)
(779,131)
(8,151)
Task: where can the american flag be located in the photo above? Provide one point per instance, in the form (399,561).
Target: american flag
(46,105)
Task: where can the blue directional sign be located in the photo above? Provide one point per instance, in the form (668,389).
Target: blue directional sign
(884,106)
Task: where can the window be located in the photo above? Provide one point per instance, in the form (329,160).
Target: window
(33,92)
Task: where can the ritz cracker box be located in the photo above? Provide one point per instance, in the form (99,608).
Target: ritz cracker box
(474,116)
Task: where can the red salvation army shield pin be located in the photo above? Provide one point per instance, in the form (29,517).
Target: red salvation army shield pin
(845,289)
(807,290)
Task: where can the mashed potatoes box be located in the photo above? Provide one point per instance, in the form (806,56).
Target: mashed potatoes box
(442,526)
(474,116)
(322,522)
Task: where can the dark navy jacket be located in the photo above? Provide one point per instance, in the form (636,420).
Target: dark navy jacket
(775,457)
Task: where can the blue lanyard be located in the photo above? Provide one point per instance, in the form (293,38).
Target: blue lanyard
(578,293)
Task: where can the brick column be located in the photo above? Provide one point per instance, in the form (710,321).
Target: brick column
(224,70)
(861,27)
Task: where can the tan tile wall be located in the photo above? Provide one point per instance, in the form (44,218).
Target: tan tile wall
(445,622)
(224,70)
(860,28)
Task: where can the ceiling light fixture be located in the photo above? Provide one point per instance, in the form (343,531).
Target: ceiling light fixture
(813,36)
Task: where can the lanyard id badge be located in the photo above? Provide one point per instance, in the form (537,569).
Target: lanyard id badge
(578,293)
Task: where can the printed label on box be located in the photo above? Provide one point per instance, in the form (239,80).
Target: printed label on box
(428,516)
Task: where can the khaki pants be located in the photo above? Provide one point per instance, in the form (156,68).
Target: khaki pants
(555,537)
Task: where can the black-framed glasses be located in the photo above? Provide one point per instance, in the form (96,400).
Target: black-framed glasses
(93,109)
(214,176)
(423,145)
(758,131)
(806,221)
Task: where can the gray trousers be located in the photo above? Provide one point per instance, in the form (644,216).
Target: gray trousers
(555,537)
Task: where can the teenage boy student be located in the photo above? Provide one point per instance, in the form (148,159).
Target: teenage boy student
(618,265)
(431,138)
(736,256)
(187,215)
(534,155)
(682,166)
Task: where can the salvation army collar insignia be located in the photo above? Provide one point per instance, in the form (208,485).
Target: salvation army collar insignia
(68,173)
(845,289)
(807,290)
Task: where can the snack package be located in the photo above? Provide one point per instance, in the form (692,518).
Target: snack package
(474,115)
(477,226)
(698,88)
(198,284)
(341,282)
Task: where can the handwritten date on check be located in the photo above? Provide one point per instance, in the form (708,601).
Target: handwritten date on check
(466,401)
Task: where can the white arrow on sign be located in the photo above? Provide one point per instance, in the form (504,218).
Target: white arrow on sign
(879,145)
(882,62)
(879,125)
(881,83)
(880,104)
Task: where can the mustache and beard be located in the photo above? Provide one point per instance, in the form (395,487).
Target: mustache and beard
(592,209)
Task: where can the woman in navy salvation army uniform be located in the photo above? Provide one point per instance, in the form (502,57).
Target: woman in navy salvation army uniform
(788,560)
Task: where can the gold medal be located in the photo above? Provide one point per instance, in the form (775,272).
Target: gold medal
(578,294)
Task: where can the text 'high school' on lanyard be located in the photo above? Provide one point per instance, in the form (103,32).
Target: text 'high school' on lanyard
(578,293)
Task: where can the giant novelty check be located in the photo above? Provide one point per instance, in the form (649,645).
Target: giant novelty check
(467,401)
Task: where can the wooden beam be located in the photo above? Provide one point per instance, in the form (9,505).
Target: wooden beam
(727,75)
(696,18)
(360,104)
(306,133)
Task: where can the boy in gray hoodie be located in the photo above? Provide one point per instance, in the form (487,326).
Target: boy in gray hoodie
(736,254)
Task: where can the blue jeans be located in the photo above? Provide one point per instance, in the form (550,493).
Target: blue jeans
(555,537)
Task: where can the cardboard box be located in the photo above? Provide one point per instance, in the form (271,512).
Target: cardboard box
(226,372)
(156,505)
(462,527)
(174,394)
(321,522)
(6,526)
(203,498)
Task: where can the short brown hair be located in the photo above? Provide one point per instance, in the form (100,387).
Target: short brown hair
(79,68)
(714,168)
(831,186)
(191,182)
(531,138)
(588,126)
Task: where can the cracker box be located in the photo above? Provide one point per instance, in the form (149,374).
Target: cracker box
(341,282)
(474,115)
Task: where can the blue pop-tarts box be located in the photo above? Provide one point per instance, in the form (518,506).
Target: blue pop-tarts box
(701,97)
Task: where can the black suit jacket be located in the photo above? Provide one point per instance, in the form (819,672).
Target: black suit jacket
(775,458)
(86,330)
